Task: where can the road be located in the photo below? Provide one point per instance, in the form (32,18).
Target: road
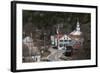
(55,54)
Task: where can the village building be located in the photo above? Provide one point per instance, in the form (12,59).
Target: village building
(61,41)
(74,39)
(32,51)
(77,37)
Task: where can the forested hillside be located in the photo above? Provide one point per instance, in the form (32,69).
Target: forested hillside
(44,24)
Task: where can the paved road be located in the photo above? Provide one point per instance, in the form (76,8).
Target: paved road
(55,54)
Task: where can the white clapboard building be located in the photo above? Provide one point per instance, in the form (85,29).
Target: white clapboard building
(61,41)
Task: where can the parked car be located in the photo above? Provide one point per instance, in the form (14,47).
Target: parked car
(69,51)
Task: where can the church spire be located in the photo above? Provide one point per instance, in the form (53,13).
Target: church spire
(78,26)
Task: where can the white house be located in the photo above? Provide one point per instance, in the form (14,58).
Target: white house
(61,41)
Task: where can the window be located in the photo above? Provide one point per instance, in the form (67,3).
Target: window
(65,40)
(61,45)
(65,45)
(69,40)
(61,40)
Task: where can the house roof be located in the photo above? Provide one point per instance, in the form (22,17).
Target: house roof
(75,32)
(58,36)
(66,37)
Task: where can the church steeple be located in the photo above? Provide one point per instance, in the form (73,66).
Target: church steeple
(78,26)
(77,30)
